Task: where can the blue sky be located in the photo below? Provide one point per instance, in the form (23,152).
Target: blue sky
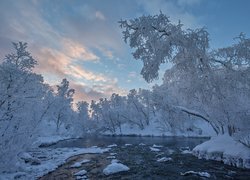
(81,40)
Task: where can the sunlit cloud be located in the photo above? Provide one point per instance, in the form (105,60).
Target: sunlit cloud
(106,52)
(77,51)
(57,62)
(81,73)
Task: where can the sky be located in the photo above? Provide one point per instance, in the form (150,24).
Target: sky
(81,39)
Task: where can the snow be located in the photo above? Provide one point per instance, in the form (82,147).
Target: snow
(76,165)
(170,151)
(111,157)
(142,144)
(201,174)
(54,158)
(114,161)
(224,148)
(84,161)
(159,154)
(164,159)
(154,130)
(186,152)
(81,177)
(81,173)
(157,146)
(115,167)
(128,144)
(154,149)
(112,154)
(79,164)
(29,159)
(47,141)
(112,145)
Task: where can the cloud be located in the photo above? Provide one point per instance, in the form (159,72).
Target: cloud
(171,9)
(121,66)
(132,74)
(106,52)
(85,93)
(58,63)
(95,92)
(80,73)
(99,15)
(68,39)
(88,85)
(77,51)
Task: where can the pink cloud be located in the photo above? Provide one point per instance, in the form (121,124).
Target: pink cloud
(75,50)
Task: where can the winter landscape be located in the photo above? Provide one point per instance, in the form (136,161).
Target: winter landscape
(124,89)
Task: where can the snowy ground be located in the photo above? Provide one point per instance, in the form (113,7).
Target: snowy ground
(40,161)
(224,148)
(153,130)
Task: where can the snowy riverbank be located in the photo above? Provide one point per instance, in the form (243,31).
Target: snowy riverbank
(202,130)
(47,160)
(49,140)
(226,149)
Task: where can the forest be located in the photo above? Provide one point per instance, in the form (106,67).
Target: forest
(201,86)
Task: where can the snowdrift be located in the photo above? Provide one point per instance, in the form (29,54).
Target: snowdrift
(224,148)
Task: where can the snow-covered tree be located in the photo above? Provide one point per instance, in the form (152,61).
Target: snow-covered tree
(82,124)
(63,105)
(21,92)
(206,84)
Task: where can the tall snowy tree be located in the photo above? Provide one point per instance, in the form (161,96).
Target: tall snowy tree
(205,84)
(63,105)
(20,91)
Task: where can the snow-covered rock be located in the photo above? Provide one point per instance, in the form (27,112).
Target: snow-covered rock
(142,144)
(112,145)
(84,161)
(157,146)
(201,174)
(111,157)
(154,149)
(184,148)
(114,161)
(128,144)
(164,159)
(79,164)
(186,152)
(224,148)
(81,173)
(81,177)
(115,168)
(76,165)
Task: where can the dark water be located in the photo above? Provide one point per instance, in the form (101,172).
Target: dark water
(143,162)
(104,141)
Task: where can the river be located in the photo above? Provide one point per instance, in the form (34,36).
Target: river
(136,154)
